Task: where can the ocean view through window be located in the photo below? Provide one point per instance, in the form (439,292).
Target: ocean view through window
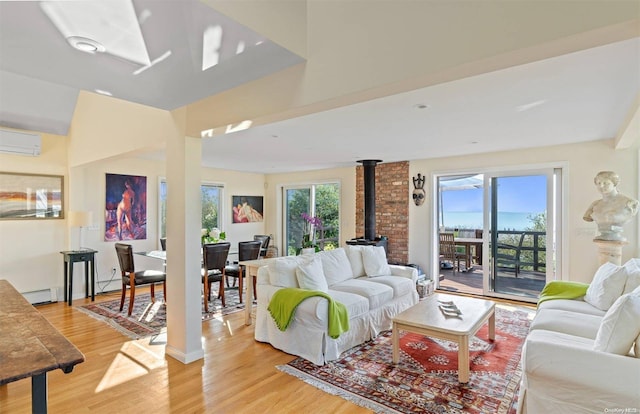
(514,213)
(473,220)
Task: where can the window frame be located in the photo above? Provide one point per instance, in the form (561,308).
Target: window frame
(204,183)
(283,207)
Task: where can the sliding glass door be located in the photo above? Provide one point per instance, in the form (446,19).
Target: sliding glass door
(521,233)
(505,228)
(297,201)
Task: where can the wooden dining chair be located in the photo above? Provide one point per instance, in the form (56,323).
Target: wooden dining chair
(448,251)
(214,256)
(132,278)
(264,239)
(247,250)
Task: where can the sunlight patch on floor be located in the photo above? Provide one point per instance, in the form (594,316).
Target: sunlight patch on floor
(132,361)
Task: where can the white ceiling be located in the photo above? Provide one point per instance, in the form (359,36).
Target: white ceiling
(583,96)
(41,74)
(577,97)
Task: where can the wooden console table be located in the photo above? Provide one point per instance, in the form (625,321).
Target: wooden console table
(30,346)
(75,256)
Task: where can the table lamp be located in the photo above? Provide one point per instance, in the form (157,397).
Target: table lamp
(80,219)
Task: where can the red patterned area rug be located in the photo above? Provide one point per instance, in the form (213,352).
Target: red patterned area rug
(426,378)
(150,318)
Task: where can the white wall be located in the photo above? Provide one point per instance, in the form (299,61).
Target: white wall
(583,162)
(29,249)
(235,183)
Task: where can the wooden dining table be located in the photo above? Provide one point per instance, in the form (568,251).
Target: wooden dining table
(162,254)
(30,346)
(468,243)
(251,270)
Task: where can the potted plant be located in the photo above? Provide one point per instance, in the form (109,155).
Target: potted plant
(312,225)
(212,236)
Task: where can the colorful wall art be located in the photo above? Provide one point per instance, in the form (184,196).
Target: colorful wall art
(125,207)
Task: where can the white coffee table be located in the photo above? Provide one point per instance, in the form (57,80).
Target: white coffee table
(426,318)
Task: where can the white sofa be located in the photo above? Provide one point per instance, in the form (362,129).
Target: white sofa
(582,355)
(356,276)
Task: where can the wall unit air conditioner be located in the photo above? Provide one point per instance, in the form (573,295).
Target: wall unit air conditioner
(20,143)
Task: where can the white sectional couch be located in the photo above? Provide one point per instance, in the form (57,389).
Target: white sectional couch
(356,276)
(582,355)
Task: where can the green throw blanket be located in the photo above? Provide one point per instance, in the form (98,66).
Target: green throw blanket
(560,289)
(285,301)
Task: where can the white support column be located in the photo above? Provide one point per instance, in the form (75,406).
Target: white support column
(184,313)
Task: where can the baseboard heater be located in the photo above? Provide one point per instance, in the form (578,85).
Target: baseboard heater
(40,297)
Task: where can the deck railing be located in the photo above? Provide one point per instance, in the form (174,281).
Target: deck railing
(528,248)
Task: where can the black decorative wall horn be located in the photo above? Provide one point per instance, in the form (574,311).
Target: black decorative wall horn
(418,192)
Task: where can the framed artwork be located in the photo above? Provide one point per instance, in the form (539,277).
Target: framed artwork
(125,207)
(31,196)
(247,209)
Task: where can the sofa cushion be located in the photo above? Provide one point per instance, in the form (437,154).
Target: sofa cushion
(607,286)
(310,275)
(282,271)
(356,305)
(400,285)
(636,347)
(572,305)
(572,323)
(377,294)
(620,326)
(633,275)
(354,253)
(375,261)
(336,265)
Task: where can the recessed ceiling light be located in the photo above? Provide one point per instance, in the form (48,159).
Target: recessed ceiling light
(85,44)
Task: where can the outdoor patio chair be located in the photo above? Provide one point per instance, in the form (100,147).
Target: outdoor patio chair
(508,256)
(448,251)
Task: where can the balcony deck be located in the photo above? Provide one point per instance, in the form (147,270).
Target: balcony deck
(528,284)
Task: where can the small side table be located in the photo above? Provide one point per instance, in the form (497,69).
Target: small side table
(74,256)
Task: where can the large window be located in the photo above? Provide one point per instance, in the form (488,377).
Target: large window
(211,206)
(316,200)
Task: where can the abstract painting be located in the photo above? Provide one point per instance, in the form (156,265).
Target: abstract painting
(31,196)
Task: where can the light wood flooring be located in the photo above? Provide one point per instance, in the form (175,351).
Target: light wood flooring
(237,375)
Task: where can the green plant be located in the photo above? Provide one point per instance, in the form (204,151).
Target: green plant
(213,235)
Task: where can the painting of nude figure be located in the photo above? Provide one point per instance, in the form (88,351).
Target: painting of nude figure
(125,207)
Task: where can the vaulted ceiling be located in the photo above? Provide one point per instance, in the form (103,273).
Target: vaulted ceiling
(313,84)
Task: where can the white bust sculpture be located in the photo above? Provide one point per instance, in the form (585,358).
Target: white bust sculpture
(613,210)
